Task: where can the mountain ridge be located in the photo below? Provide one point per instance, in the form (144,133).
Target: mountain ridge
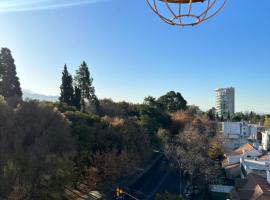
(28,94)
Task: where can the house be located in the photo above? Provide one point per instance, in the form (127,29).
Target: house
(237,133)
(231,163)
(254,187)
(266,140)
(232,129)
(254,164)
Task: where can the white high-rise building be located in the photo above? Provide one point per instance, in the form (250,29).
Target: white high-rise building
(225,105)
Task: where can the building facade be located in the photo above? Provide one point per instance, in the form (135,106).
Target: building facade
(241,129)
(231,163)
(266,140)
(237,133)
(254,164)
(225,102)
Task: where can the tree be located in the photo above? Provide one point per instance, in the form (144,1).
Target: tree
(110,166)
(9,82)
(267,122)
(6,135)
(216,150)
(228,117)
(211,113)
(77,98)
(188,150)
(66,87)
(179,120)
(118,109)
(221,118)
(250,117)
(113,149)
(84,82)
(36,153)
(172,101)
(152,115)
(238,117)
(194,110)
(94,105)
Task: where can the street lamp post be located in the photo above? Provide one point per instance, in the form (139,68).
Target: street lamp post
(120,192)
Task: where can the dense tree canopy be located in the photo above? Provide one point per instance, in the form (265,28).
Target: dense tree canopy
(36,153)
(267,122)
(119,109)
(45,146)
(172,102)
(189,150)
(152,115)
(250,117)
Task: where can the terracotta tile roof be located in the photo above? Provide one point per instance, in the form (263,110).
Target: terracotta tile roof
(264,157)
(245,194)
(255,188)
(233,166)
(246,147)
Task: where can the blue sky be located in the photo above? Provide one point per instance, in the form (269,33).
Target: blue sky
(132,54)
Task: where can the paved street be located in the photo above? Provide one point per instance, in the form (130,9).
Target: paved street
(159,179)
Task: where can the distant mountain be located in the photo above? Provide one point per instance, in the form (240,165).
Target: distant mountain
(32,95)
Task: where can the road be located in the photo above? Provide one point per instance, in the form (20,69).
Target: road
(159,179)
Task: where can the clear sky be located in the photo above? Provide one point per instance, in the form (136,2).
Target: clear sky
(132,54)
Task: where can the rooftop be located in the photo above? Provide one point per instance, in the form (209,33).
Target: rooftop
(244,148)
(254,187)
(220,89)
(254,164)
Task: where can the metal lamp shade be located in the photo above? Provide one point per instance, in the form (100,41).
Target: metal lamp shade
(186,12)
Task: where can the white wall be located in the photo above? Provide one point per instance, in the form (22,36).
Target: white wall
(253,132)
(233,159)
(239,128)
(231,128)
(265,140)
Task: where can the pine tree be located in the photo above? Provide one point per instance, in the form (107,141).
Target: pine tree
(9,82)
(1,76)
(84,82)
(229,117)
(66,87)
(77,98)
